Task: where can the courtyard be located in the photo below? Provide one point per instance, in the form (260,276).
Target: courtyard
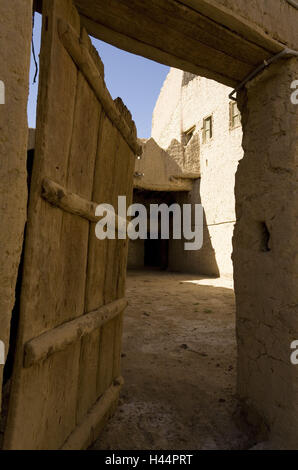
(179,366)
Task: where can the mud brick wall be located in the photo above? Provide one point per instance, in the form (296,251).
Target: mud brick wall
(265,252)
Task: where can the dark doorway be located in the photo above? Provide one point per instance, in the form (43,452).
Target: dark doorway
(156,253)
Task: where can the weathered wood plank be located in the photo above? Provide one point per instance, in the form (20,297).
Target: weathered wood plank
(87,390)
(199,28)
(110,346)
(134,46)
(108,144)
(84,61)
(60,197)
(87,393)
(106,340)
(146,24)
(107,151)
(106,357)
(38,398)
(115,247)
(73,132)
(122,269)
(59,338)
(191,25)
(118,333)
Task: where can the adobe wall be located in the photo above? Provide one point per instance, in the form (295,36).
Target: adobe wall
(166,119)
(265,253)
(189,103)
(156,165)
(15,39)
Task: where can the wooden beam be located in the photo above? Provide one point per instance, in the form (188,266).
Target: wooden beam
(89,429)
(134,46)
(148,25)
(82,58)
(60,197)
(175,34)
(184,186)
(235,19)
(201,29)
(186,176)
(59,338)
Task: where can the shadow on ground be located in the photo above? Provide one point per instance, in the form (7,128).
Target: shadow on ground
(179,366)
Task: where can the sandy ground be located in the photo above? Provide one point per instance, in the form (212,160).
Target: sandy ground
(179,366)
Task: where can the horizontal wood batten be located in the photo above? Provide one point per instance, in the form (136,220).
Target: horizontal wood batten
(186,176)
(83,60)
(59,338)
(184,186)
(60,197)
(89,429)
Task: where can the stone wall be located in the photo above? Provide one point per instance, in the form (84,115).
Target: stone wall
(177,110)
(15,40)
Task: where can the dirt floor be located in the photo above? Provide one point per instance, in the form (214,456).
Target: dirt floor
(179,366)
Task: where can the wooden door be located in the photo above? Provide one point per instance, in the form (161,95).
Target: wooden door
(66,377)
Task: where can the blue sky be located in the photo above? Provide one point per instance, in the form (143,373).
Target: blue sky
(136,80)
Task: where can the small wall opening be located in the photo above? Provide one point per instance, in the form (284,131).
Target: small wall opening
(264,236)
